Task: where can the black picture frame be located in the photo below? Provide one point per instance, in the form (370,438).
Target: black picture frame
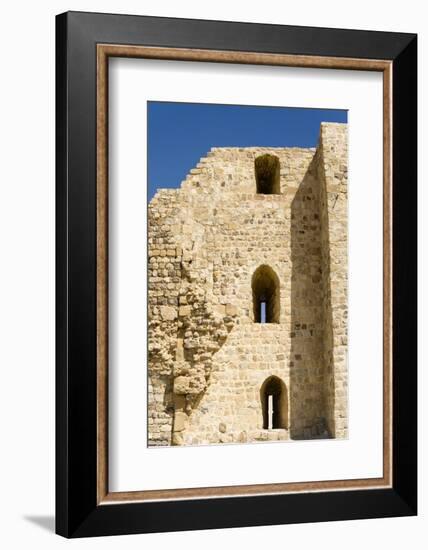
(77,512)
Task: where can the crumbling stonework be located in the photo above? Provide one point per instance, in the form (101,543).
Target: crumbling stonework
(250,226)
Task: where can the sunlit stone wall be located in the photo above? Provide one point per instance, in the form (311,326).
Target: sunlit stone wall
(217,248)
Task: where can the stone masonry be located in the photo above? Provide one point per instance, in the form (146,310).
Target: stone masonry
(250,229)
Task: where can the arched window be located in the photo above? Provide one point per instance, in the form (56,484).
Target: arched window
(265,287)
(267,174)
(273,395)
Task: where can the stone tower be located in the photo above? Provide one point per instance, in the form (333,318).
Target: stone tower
(247,300)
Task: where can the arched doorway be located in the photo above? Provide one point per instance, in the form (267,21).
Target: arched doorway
(267,174)
(274,400)
(265,288)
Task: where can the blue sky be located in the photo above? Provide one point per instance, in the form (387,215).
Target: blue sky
(179,134)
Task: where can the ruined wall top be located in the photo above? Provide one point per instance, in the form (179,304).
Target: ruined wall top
(232,170)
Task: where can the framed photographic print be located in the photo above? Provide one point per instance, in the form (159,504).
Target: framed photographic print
(236,274)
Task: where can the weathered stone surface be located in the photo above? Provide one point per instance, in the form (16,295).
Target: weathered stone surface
(231,310)
(184,310)
(180,421)
(182,385)
(168,313)
(216,246)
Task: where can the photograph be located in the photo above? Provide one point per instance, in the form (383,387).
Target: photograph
(212,275)
(247,274)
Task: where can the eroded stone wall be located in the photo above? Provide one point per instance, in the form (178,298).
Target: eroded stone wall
(208,359)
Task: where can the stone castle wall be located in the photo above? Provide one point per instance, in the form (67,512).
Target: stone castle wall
(208,358)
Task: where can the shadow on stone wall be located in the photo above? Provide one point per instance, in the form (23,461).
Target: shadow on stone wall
(310,326)
(328,340)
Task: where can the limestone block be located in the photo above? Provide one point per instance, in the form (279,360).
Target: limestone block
(220,308)
(184,311)
(168,313)
(243,437)
(180,421)
(179,402)
(231,310)
(182,385)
